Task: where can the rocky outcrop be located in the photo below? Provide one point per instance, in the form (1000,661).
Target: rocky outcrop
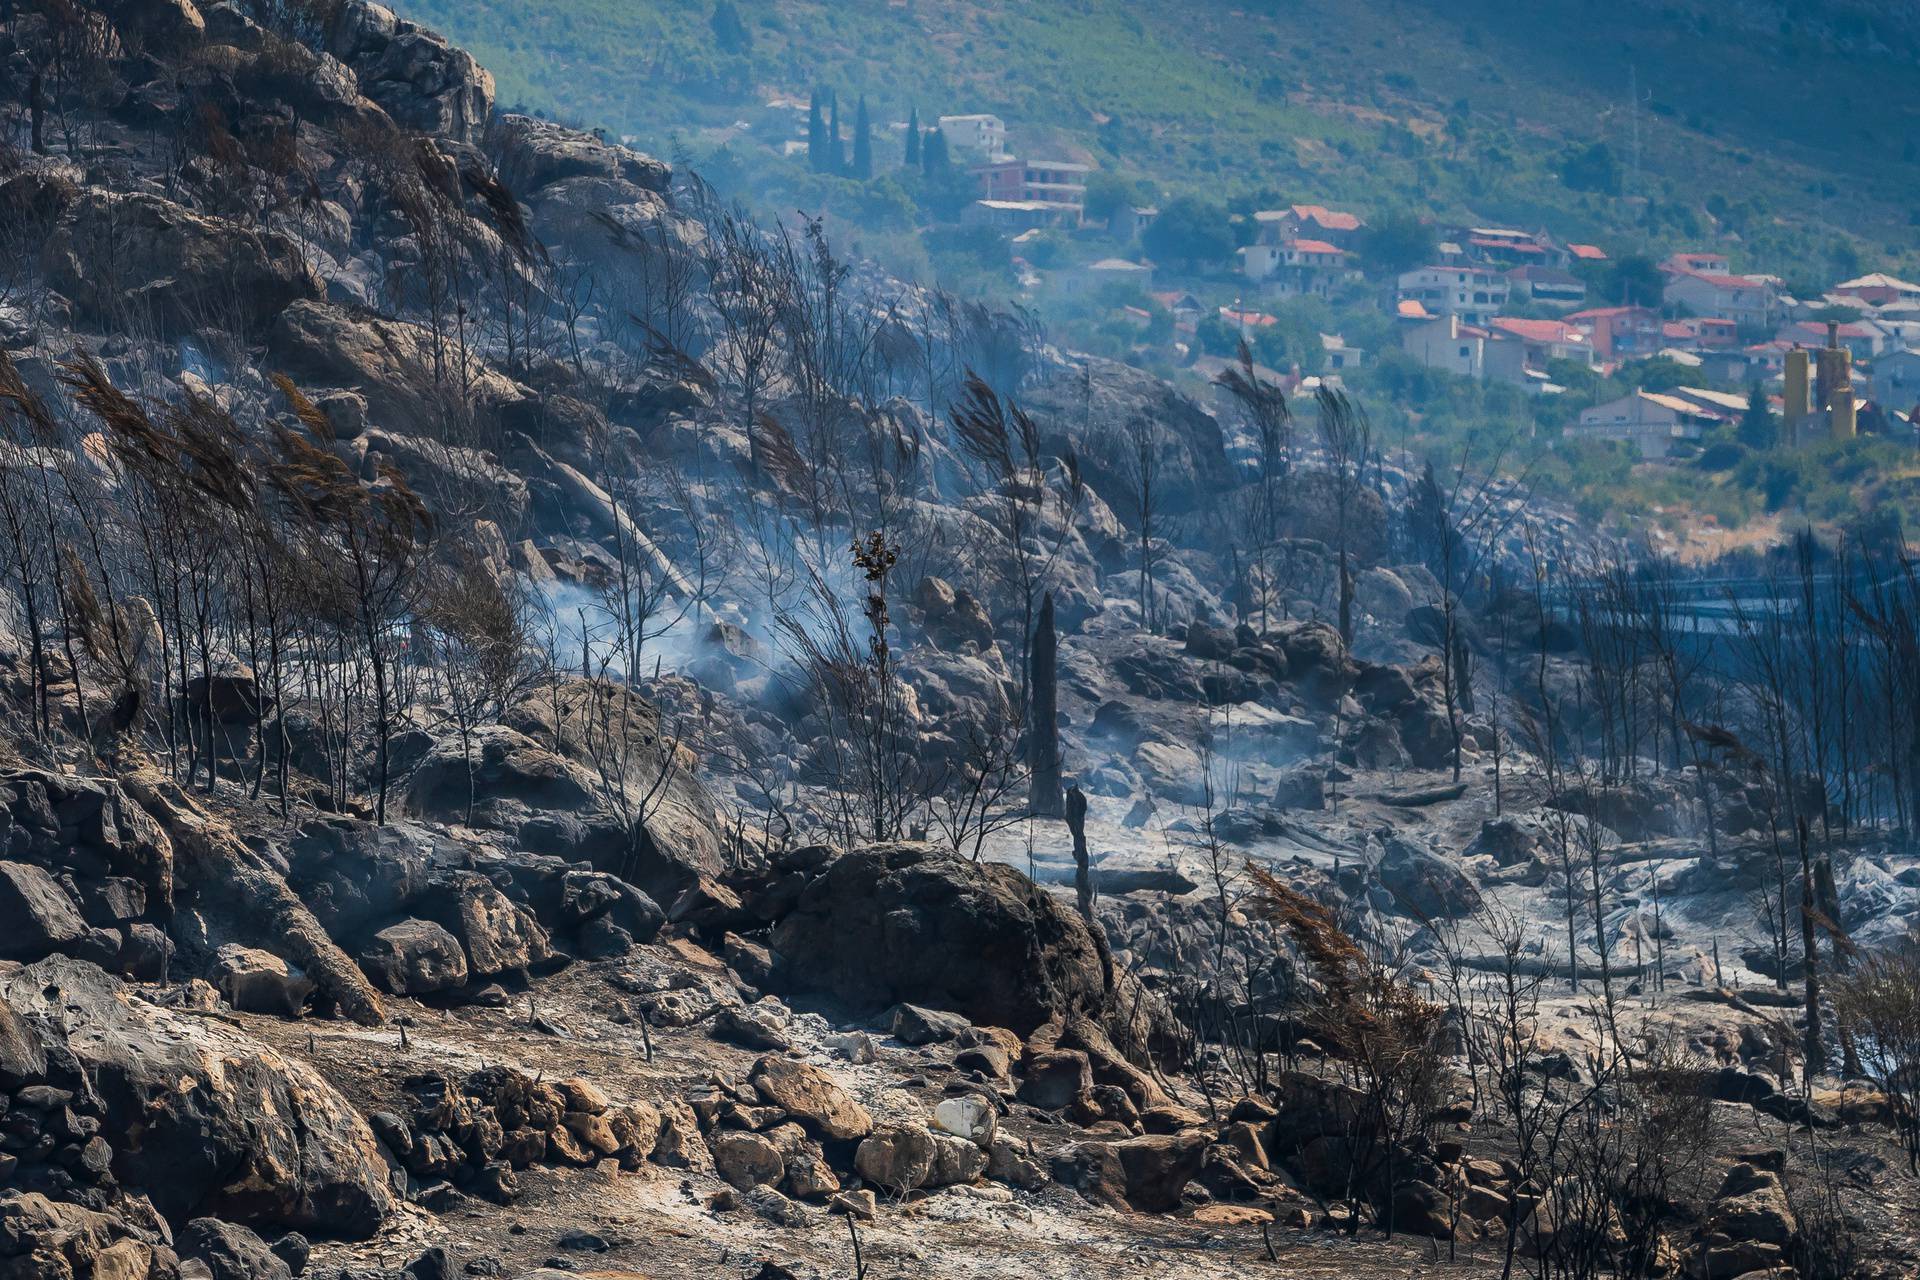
(206,1119)
(141,258)
(85,872)
(918,924)
(420,79)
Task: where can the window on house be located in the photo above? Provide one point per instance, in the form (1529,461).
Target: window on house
(1465,352)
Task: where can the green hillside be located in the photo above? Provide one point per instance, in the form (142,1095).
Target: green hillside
(1789,130)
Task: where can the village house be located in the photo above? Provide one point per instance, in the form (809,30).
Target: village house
(1339,355)
(1295,268)
(1749,301)
(1653,423)
(1062,182)
(1695,264)
(1548,286)
(1014,216)
(1474,294)
(1586,253)
(1446,343)
(1622,333)
(1896,378)
(1543,340)
(982,135)
(1092,278)
(1508,248)
(1308,221)
(1878,289)
(1127,222)
(1183,307)
(1702,332)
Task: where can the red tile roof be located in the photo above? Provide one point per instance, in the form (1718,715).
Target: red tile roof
(1331,219)
(1538,330)
(1592,252)
(1723,281)
(1411,309)
(1314,246)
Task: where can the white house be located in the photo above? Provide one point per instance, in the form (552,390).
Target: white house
(985,134)
(1651,422)
(1745,300)
(1475,294)
(1074,282)
(1445,343)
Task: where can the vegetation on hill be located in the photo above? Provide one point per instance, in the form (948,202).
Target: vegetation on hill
(1790,130)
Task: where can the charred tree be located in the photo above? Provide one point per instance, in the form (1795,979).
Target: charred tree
(1043,718)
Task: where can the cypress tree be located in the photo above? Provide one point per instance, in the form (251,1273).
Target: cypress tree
(862,141)
(933,156)
(816,134)
(836,148)
(913,138)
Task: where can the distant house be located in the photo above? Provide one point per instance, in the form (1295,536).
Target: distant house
(1247,320)
(1475,294)
(1544,340)
(1295,268)
(1745,300)
(1001,179)
(1702,332)
(1018,215)
(982,134)
(1695,264)
(1092,277)
(1183,307)
(1878,289)
(1549,286)
(1622,333)
(1896,378)
(1586,253)
(1062,182)
(1340,356)
(1445,343)
(1651,422)
(1723,406)
(1510,248)
(1308,221)
(1128,222)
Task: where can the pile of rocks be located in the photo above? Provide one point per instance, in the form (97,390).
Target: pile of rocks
(84,872)
(472,1135)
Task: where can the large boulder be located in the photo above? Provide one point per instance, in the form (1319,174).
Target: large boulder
(809,1095)
(37,918)
(1190,460)
(143,255)
(534,154)
(211,1122)
(423,82)
(1425,884)
(914,923)
(415,957)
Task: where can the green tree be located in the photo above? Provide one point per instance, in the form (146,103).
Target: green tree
(1591,168)
(816,134)
(1107,194)
(862,141)
(729,32)
(1397,241)
(1632,281)
(1757,427)
(934,160)
(913,138)
(1189,230)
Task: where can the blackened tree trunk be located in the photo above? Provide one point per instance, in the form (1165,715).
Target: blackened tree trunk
(1043,717)
(1082,864)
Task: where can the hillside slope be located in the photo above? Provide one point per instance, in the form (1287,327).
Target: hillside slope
(1776,125)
